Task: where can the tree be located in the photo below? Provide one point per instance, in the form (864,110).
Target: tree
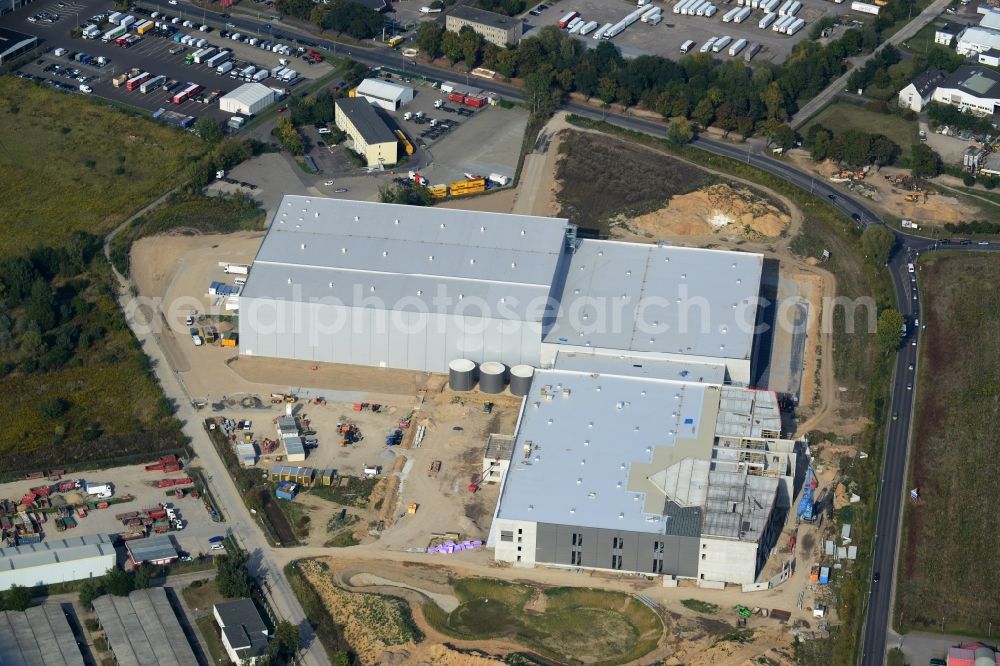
(471,43)
(285,644)
(428,39)
(90,590)
(410,194)
(144,574)
(924,162)
(819,146)
(783,136)
(882,150)
(208,129)
(231,575)
(890,330)
(679,132)
(53,408)
(119,582)
(17,598)
(877,242)
(538,95)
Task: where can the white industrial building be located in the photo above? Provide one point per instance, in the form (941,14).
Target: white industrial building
(945,34)
(626,468)
(399,286)
(248,100)
(976,39)
(976,89)
(56,561)
(918,93)
(389,96)
(415,288)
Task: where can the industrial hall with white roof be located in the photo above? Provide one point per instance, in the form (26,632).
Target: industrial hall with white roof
(640,446)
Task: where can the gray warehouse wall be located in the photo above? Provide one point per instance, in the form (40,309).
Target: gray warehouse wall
(554,544)
(374,337)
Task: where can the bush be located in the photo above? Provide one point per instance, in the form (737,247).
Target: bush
(92,624)
(969,180)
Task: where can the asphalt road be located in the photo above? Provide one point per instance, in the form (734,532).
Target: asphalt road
(891,495)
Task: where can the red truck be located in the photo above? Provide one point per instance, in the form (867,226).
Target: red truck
(468,100)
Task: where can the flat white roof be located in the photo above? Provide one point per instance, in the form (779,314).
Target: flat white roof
(249,93)
(582,446)
(659,298)
(383,89)
(617,364)
(394,257)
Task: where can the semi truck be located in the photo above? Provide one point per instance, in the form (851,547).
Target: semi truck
(721,44)
(564,21)
(204,54)
(152,84)
(136,81)
(217,59)
(113,34)
(189,91)
(102,490)
(236,269)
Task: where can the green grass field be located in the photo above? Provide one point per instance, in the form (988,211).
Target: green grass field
(69,163)
(947,579)
(570,625)
(76,386)
(841,116)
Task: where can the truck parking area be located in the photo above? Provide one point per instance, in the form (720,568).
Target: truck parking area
(156,49)
(132,480)
(666,37)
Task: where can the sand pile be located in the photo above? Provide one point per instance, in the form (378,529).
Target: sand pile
(719,208)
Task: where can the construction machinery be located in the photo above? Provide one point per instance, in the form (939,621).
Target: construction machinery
(349,433)
(435,468)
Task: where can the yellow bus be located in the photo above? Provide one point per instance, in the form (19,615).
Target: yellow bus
(397,40)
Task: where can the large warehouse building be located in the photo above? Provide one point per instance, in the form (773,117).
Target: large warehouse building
(399,286)
(373,139)
(56,561)
(628,469)
(143,630)
(416,288)
(40,635)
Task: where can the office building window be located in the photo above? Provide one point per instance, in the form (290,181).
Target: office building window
(506,535)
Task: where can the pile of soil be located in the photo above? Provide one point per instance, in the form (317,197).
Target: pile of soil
(721,208)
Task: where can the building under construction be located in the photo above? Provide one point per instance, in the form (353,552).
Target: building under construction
(630,469)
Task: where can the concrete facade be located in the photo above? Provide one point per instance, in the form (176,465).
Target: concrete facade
(371,136)
(496,28)
(918,93)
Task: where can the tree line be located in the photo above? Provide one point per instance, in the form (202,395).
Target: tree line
(729,95)
(341,16)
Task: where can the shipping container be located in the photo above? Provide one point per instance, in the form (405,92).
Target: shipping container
(742,15)
(144,27)
(707,46)
(127,21)
(738,46)
(113,34)
(204,54)
(589,28)
(795,27)
(115,18)
(728,16)
(865,8)
(751,52)
(782,23)
(599,33)
(224,67)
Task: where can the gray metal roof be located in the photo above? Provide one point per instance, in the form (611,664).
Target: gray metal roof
(702,373)
(583,445)
(143,630)
(55,550)
(40,636)
(398,257)
(243,626)
(384,90)
(491,19)
(151,549)
(979,82)
(658,298)
(366,120)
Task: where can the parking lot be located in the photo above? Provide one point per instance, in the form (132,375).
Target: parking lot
(156,53)
(666,38)
(131,480)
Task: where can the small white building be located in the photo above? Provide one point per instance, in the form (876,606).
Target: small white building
(991,17)
(975,39)
(389,96)
(56,561)
(918,93)
(991,58)
(244,634)
(945,34)
(248,100)
(976,89)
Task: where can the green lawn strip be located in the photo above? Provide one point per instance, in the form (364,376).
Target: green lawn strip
(840,117)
